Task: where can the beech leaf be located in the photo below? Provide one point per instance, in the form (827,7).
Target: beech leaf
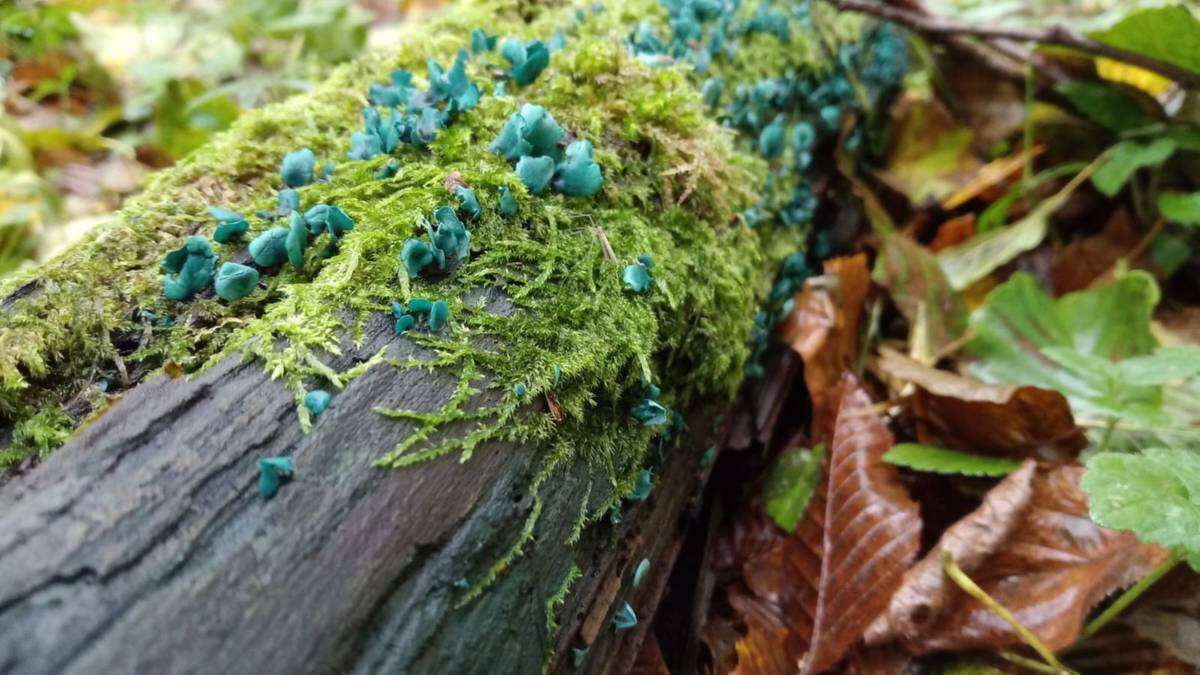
(926,588)
(1054,568)
(872,530)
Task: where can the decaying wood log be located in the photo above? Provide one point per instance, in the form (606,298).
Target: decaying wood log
(143,545)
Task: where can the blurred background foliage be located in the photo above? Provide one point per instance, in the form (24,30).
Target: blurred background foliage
(97,93)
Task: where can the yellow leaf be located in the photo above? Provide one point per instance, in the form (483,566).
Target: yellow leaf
(1116,71)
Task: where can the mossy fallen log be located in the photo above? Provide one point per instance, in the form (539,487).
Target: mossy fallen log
(141,545)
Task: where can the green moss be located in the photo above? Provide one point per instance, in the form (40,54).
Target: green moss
(674,182)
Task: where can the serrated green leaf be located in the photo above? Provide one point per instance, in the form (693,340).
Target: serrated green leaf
(1076,345)
(1180,207)
(1165,365)
(1155,495)
(940,460)
(1105,105)
(790,483)
(1125,158)
(1170,34)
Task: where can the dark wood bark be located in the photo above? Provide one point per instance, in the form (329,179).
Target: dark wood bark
(143,546)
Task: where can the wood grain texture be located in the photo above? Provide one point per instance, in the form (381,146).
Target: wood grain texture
(143,547)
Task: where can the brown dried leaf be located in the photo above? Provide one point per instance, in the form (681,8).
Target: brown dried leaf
(1055,568)
(823,329)
(970,541)
(954,231)
(814,591)
(936,313)
(872,530)
(897,366)
(1007,421)
(1079,264)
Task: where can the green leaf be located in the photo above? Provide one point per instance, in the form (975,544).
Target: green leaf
(1105,105)
(1167,364)
(1170,252)
(1125,158)
(940,460)
(1076,345)
(790,483)
(1155,495)
(1180,207)
(1170,34)
(974,259)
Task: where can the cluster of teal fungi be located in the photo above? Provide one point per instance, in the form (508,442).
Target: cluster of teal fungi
(189,269)
(785,118)
(421,314)
(192,268)
(533,139)
(450,237)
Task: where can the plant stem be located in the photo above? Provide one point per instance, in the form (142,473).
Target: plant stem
(1133,593)
(967,584)
(1025,662)
(1108,432)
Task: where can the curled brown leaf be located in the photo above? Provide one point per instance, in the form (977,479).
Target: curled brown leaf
(1006,421)
(970,542)
(1052,571)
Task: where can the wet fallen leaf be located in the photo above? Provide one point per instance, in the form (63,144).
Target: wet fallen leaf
(871,531)
(971,541)
(973,416)
(1056,567)
(931,154)
(823,329)
(993,174)
(814,591)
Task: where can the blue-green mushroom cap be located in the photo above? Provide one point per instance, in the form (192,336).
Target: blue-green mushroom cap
(439,315)
(637,278)
(296,241)
(508,203)
(273,471)
(297,168)
(316,401)
(189,269)
(235,281)
(535,173)
(269,248)
(578,175)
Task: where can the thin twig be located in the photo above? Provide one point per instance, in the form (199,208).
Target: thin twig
(604,245)
(931,24)
(1114,610)
(967,584)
